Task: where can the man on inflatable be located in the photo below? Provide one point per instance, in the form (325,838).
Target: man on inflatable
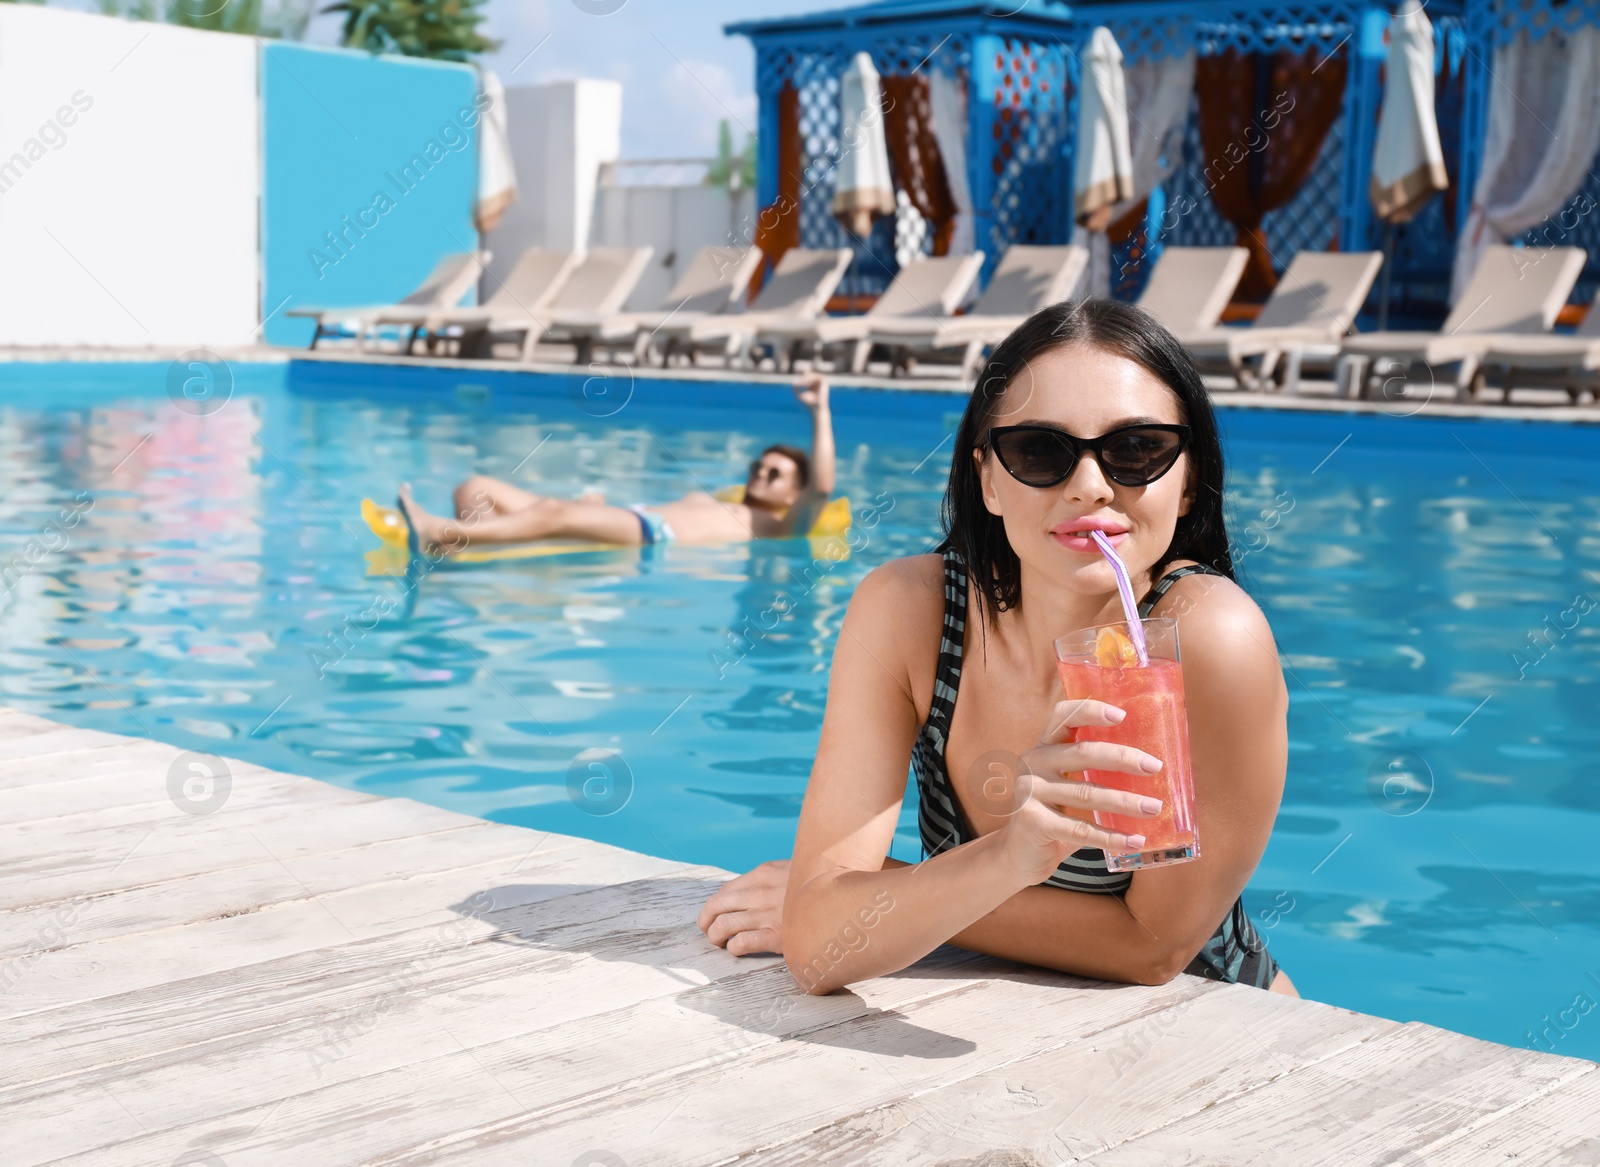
(783,496)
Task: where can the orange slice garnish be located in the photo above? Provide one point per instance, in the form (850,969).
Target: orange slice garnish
(1113,650)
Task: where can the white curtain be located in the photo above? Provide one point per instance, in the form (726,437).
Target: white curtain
(1157,96)
(1543,133)
(948,100)
(1158,114)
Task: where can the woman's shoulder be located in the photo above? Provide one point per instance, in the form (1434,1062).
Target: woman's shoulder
(1219,625)
(897,614)
(912,585)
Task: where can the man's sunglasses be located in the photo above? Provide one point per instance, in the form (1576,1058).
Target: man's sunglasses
(1042,456)
(769,472)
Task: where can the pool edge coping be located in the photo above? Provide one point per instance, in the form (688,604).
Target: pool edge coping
(941,387)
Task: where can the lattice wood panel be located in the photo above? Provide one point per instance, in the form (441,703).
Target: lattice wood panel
(1538,18)
(1030,130)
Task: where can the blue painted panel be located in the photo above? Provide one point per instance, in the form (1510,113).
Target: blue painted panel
(370,169)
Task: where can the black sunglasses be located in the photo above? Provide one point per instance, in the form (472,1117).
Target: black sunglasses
(1042,456)
(771,474)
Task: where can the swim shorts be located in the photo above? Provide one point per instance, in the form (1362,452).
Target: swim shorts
(652,527)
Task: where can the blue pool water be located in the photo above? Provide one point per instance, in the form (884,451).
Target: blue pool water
(1431,860)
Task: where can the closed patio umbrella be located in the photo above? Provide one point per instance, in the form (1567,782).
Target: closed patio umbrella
(1103,167)
(497,172)
(1407,162)
(862,188)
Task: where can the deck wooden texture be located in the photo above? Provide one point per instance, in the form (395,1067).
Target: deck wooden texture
(310,975)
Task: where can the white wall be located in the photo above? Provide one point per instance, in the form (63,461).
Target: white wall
(137,223)
(560,134)
(677,221)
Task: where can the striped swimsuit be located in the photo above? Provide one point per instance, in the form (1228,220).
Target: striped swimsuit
(1236,951)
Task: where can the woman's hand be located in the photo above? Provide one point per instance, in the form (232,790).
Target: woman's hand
(745,915)
(1038,835)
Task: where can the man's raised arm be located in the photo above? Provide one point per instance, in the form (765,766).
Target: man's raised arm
(812,390)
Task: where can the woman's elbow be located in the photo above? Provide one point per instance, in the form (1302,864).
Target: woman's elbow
(809,973)
(811,976)
(1163,966)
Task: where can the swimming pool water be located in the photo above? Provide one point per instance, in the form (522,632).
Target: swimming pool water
(1431,584)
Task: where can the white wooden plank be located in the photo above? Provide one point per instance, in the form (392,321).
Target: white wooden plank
(245,787)
(122,964)
(547,1068)
(29,825)
(660,1045)
(14,723)
(575,1017)
(1376,1103)
(1560,1128)
(305,988)
(778,1092)
(92,862)
(1094,1093)
(192,898)
(356,1010)
(57,740)
(72,793)
(108,760)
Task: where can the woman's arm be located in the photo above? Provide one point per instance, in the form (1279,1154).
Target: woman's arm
(1238,737)
(848,916)
(845,917)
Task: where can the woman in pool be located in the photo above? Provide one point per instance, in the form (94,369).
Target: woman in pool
(783,494)
(947,661)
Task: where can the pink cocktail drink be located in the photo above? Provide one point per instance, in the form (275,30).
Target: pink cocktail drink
(1100,663)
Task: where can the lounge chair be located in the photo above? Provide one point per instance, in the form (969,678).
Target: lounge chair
(527,288)
(599,284)
(927,289)
(1312,307)
(1190,286)
(1027,279)
(799,286)
(449,280)
(715,282)
(1570,362)
(1511,291)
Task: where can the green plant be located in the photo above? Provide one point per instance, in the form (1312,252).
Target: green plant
(728,168)
(284,19)
(132,9)
(240,16)
(443,29)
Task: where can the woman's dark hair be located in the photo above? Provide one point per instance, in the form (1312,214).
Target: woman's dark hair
(1128,331)
(796,455)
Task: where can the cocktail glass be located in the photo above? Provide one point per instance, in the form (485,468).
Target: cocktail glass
(1101,663)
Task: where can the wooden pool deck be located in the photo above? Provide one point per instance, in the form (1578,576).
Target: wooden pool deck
(291,973)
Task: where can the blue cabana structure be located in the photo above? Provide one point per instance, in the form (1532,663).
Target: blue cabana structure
(1270,146)
(1276,150)
(1011,65)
